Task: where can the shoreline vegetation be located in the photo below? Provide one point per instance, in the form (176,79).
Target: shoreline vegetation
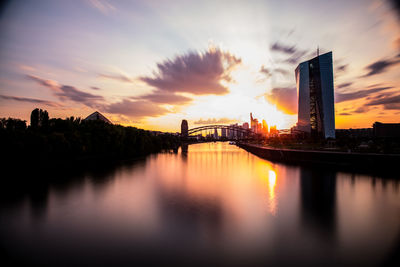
(50,143)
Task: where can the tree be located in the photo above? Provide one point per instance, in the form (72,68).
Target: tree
(43,119)
(35,118)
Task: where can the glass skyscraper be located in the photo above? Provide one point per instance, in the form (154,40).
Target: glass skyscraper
(316,110)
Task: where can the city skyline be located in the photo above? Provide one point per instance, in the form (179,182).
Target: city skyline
(151,64)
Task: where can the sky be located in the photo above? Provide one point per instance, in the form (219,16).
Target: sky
(150,64)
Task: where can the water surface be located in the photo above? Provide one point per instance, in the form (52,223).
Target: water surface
(211,204)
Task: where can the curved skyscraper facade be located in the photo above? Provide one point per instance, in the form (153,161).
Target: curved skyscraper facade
(316,110)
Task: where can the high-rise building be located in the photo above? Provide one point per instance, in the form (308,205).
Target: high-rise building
(264,127)
(316,111)
(253,123)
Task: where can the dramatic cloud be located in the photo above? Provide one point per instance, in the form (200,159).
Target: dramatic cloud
(284,98)
(68,92)
(137,109)
(341,97)
(388,102)
(344,85)
(345,114)
(215,121)
(196,73)
(117,77)
(284,48)
(380,66)
(30,100)
(165,98)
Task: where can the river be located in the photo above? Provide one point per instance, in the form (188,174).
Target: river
(211,204)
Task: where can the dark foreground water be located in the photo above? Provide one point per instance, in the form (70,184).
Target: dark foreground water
(214,204)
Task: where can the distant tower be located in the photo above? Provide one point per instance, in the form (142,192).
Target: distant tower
(316,111)
(253,123)
(184,128)
(264,127)
(215,133)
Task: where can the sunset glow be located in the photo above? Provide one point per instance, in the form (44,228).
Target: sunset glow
(151,64)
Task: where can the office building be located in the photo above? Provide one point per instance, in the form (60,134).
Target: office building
(316,111)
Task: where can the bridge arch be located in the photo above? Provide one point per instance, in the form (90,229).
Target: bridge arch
(237,129)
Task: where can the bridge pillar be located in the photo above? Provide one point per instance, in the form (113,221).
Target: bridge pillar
(184,128)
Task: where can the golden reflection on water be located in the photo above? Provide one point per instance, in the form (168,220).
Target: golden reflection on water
(210,200)
(273,203)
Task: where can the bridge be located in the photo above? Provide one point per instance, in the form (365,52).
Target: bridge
(228,131)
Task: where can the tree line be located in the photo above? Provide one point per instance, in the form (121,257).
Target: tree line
(73,139)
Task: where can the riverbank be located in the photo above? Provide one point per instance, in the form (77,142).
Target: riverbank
(363,162)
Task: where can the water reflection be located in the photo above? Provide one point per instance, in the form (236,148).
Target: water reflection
(210,204)
(318,199)
(271,189)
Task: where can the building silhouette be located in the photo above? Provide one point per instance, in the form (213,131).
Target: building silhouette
(223,133)
(97,116)
(253,123)
(386,130)
(184,128)
(316,111)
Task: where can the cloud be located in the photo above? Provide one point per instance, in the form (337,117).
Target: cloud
(286,49)
(165,98)
(295,58)
(94,88)
(215,121)
(268,72)
(342,68)
(284,98)
(265,71)
(102,5)
(380,66)
(281,71)
(295,54)
(345,114)
(362,109)
(138,109)
(344,85)
(117,77)
(47,83)
(30,100)
(394,106)
(196,73)
(342,97)
(388,102)
(74,94)
(68,92)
